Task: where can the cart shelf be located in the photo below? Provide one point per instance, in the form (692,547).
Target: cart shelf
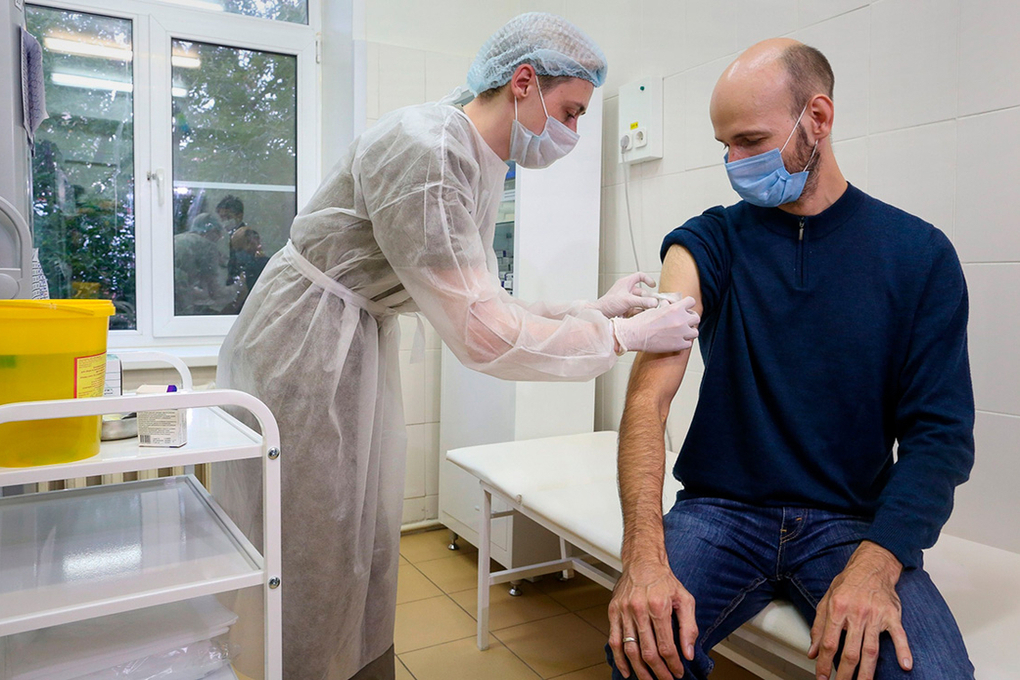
(213,436)
(72,555)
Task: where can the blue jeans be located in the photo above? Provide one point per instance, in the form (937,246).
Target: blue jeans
(736,558)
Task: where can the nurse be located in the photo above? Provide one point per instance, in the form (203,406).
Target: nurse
(405,223)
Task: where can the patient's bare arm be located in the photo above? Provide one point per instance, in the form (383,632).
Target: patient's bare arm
(640,614)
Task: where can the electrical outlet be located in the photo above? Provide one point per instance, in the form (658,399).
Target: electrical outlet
(640,138)
(640,119)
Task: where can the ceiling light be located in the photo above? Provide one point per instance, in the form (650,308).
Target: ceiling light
(89,83)
(185,61)
(87,49)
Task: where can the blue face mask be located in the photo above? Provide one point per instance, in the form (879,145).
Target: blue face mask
(763,180)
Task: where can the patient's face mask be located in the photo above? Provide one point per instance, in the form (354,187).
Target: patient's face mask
(531,150)
(763,180)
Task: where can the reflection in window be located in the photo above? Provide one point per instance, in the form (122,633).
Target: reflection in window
(83,179)
(235,170)
(294,11)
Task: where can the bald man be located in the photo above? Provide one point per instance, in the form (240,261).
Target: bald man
(833,326)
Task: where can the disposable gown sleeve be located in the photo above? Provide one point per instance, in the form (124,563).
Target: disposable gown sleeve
(550,309)
(420,197)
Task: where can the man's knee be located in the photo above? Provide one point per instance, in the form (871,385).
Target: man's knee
(936,644)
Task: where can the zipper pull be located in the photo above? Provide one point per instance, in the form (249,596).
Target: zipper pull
(800,235)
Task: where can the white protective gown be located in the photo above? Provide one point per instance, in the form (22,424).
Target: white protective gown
(404,222)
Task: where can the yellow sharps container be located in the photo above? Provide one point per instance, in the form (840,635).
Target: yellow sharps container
(51,349)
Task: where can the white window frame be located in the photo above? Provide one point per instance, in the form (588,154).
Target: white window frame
(155,25)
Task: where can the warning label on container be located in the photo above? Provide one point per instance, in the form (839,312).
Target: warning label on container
(89,376)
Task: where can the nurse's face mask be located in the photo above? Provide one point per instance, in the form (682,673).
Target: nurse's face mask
(763,180)
(532,150)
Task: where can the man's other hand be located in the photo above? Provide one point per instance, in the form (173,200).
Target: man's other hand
(862,601)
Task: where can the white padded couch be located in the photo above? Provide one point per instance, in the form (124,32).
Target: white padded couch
(568,485)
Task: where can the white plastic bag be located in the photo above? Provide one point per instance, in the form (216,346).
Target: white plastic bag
(189,662)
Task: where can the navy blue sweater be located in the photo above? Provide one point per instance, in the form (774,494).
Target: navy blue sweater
(825,340)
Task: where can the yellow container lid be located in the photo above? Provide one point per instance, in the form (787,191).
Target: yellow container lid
(54,326)
(54,309)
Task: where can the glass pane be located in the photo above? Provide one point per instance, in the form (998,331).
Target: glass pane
(235,170)
(83,170)
(294,11)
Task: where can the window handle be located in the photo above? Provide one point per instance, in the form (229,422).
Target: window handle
(157,177)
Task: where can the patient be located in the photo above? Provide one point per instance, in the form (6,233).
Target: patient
(833,328)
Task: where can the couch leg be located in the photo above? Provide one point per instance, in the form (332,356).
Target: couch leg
(566,574)
(484,538)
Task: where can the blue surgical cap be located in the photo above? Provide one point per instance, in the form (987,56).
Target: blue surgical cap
(553,45)
(204,223)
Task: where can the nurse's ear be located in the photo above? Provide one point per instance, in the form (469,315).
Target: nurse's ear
(523,82)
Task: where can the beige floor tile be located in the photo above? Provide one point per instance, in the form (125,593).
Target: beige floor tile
(403,673)
(575,594)
(551,647)
(506,611)
(425,623)
(430,545)
(462,659)
(412,585)
(403,561)
(453,574)
(597,616)
(600,672)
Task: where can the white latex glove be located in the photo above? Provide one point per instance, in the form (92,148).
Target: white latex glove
(625,295)
(662,299)
(669,328)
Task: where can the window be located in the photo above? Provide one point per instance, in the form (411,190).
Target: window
(83,167)
(295,11)
(169,171)
(234,170)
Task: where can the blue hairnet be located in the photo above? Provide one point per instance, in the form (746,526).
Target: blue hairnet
(553,45)
(204,223)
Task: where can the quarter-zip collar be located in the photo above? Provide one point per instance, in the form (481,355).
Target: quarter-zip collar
(820,225)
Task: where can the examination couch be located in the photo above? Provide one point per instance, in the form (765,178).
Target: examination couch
(568,485)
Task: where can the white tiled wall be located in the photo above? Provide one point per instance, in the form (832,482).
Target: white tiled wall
(927,118)
(420,383)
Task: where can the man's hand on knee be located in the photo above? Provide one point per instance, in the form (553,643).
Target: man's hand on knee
(641,622)
(862,601)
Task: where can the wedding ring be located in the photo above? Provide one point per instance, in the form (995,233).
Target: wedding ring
(629,639)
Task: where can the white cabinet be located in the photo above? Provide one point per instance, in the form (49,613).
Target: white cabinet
(555,241)
(75,555)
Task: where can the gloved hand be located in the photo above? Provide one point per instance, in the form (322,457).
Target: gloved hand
(670,328)
(625,295)
(662,299)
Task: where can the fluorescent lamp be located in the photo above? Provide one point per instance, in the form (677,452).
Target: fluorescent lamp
(185,61)
(198,4)
(87,49)
(89,83)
